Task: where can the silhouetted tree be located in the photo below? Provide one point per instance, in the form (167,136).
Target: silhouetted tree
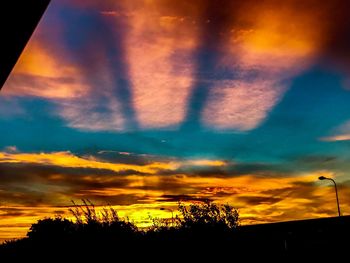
(51,229)
(209,215)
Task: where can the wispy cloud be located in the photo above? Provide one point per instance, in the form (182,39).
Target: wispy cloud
(241,105)
(335,138)
(340,133)
(11,149)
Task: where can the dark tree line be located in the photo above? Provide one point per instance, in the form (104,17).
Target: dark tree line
(201,232)
(95,232)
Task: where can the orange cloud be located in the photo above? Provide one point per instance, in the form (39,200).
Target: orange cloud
(39,73)
(265,50)
(16,220)
(160,54)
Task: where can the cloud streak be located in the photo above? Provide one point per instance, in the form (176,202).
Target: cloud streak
(341,133)
(336,138)
(160,47)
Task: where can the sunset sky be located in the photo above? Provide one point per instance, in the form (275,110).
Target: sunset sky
(142,103)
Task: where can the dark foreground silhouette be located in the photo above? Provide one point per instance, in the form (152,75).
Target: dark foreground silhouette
(202,232)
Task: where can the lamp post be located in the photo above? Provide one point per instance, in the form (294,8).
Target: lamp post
(172,214)
(336,190)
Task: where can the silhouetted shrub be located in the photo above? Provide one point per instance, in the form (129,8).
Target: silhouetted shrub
(51,229)
(208,215)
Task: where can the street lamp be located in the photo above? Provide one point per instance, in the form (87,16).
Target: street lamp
(336,190)
(172,214)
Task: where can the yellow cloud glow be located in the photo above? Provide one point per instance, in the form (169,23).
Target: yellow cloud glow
(259,199)
(206,162)
(66,159)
